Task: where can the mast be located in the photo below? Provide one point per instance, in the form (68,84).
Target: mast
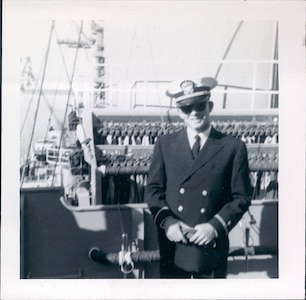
(85,129)
(99,72)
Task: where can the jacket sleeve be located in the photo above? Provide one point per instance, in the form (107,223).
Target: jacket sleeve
(156,186)
(232,212)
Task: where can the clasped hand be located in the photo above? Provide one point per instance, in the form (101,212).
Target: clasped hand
(203,233)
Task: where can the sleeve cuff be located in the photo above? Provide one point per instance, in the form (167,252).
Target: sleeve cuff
(161,215)
(219,224)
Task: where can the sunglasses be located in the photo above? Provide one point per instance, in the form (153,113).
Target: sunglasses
(196,107)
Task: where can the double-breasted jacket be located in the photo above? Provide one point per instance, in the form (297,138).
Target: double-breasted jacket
(213,188)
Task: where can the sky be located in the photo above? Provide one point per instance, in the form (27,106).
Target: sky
(157,50)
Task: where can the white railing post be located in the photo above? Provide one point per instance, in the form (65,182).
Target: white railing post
(254,84)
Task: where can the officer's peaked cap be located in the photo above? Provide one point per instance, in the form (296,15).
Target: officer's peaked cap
(186,92)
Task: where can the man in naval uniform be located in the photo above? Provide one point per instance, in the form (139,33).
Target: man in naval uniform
(198,188)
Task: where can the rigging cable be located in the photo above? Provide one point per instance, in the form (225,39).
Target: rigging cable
(51,107)
(229,47)
(68,98)
(126,78)
(32,97)
(64,63)
(67,73)
(90,42)
(224,56)
(130,55)
(125,83)
(57,86)
(39,97)
(155,75)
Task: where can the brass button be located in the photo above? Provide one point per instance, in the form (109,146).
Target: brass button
(180,208)
(204,193)
(202,210)
(182,190)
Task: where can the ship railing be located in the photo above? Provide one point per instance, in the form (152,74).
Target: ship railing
(43,176)
(59,157)
(253,93)
(259,90)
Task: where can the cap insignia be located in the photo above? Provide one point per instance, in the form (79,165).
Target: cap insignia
(187,87)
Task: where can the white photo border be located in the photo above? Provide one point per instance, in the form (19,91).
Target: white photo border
(291,281)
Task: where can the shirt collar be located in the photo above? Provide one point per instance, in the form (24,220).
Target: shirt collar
(203,135)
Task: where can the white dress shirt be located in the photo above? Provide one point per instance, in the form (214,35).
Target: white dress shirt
(203,135)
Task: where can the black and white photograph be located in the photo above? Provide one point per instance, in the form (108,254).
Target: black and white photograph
(150,146)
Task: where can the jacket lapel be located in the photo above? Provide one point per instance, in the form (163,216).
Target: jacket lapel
(181,152)
(211,148)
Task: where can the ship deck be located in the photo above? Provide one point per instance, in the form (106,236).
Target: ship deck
(259,267)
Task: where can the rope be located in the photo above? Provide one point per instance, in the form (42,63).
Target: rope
(120,216)
(39,97)
(118,202)
(137,257)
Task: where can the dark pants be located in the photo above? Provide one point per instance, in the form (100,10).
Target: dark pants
(169,270)
(172,271)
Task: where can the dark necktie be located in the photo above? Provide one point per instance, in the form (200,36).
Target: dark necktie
(196,146)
